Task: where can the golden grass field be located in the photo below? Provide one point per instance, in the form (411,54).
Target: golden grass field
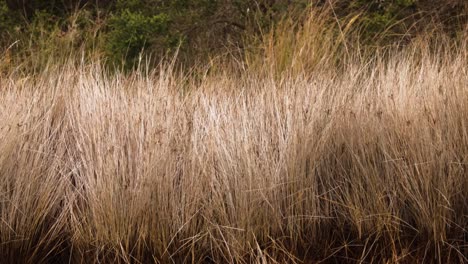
(363,163)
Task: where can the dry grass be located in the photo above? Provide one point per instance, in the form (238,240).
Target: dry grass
(362,164)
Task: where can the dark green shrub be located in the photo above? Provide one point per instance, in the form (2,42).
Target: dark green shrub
(131,32)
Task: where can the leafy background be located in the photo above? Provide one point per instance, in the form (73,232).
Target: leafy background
(120,31)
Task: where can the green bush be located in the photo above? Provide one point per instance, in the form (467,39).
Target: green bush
(132,32)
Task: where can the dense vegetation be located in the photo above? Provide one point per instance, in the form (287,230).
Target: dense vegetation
(281,132)
(120,30)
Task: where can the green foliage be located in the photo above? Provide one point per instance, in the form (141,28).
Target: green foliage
(130,32)
(156,26)
(382,16)
(122,29)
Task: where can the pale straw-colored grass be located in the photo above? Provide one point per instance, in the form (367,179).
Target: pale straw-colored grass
(367,163)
